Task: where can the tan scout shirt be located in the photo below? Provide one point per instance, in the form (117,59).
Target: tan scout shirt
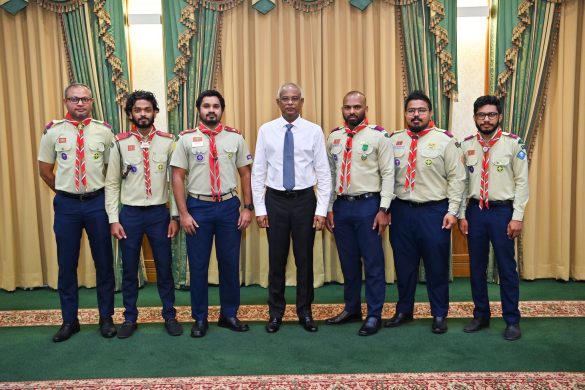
(439,171)
(126,159)
(508,172)
(58,145)
(192,154)
(372,163)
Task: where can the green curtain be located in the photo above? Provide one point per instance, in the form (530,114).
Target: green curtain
(96,49)
(191,37)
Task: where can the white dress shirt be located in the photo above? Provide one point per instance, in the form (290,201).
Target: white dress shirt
(311,164)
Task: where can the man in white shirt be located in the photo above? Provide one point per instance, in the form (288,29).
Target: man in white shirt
(290,159)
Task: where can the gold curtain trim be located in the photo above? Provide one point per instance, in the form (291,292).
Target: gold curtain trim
(61,7)
(401,2)
(449,81)
(306,6)
(104,23)
(67,55)
(398,18)
(218,45)
(219,5)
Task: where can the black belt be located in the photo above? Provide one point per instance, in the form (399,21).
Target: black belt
(146,207)
(421,204)
(85,196)
(289,194)
(351,198)
(494,203)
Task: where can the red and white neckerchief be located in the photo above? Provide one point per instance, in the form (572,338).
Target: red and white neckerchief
(213,161)
(79,151)
(411,171)
(145,146)
(345,177)
(485,167)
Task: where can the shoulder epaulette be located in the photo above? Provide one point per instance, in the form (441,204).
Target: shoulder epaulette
(165,134)
(469,137)
(52,123)
(187,131)
(511,135)
(446,132)
(121,136)
(376,127)
(336,129)
(232,130)
(102,123)
(397,132)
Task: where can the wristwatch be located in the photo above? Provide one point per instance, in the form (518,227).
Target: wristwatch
(249,206)
(385,210)
(175,218)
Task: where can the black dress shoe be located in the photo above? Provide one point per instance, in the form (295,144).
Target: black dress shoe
(107,327)
(127,329)
(476,324)
(344,318)
(398,319)
(232,323)
(370,326)
(199,328)
(512,332)
(439,325)
(273,324)
(308,323)
(173,327)
(67,330)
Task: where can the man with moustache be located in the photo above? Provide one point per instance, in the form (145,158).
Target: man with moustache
(362,167)
(212,156)
(429,182)
(79,146)
(497,193)
(138,178)
(290,159)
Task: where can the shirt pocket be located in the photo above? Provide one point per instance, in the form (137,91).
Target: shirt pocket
(399,151)
(500,162)
(229,152)
(337,153)
(159,163)
(471,164)
(65,152)
(132,165)
(96,151)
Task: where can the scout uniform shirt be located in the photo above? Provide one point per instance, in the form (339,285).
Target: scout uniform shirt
(371,165)
(439,171)
(508,172)
(126,181)
(59,145)
(193,152)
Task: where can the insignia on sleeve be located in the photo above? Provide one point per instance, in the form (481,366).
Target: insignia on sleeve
(521,154)
(232,130)
(249,157)
(121,136)
(165,134)
(457,144)
(187,131)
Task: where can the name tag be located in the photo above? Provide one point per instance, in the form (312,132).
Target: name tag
(197,141)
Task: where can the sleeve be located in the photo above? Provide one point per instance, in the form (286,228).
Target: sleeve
(113,183)
(465,193)
(259,170)
(520,169)
(455,176)
(322,172)
(47,149)
(108,139)
(386,167)
(333,170)
(244,156)
(179,158)
(173,203)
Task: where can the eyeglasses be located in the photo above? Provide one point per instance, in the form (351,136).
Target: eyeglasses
(292,99)
(482,115)
(421,111)
(75,99)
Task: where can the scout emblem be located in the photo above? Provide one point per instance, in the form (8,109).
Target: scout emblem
(521,155)
(471,152)
(485,149)
(64,156)
(334,157)
(471,169)
(428,162)
(96,155)
(199,156)
(364,149)
(500,168)
(364,157)
(230,155)
(397,162)
(144,145)
(160,167)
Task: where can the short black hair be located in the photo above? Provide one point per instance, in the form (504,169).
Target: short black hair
(418,95)
(210,92)
(140,95)
(487,100)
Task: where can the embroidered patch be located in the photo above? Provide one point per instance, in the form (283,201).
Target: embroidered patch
(131,147)
(364,157)
(64,156)
(471,152)
(334,157)
(62,140)
(399,143)
(500,168)
(431,145)
(336,141)
(199,157)
(96,155)
(471,169)
(249,157)
(428,162)
(160,167)
(230,155)
(133,168)
(397,162)
(521,155)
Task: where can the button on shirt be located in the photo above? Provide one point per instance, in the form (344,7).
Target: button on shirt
(372,163)
(508,172)
(311,164)
(126,157)
(192,154)
(58,146)
(439,171)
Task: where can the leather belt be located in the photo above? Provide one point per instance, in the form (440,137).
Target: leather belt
(351,198)
(289,194)
(85,196)
(152,206)
(421,204)
(209,198)
(494,203)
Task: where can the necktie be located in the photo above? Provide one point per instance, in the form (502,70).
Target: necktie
(79,152)
(411,171)
(345,177)
(288,159)
(145,146)
(485,168)
(214,175)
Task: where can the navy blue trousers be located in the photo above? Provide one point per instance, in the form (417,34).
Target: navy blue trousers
(219,219)
(355,240)
(71,217)
(152,221)
(484,226)
(416,232)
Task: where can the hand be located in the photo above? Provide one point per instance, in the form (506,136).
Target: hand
(262,221)
(188,224)
(172,229)
(463,226)
(318,222)
(514,229)
(245,219)
(117,230)
(449,220)
(329,224)
(381,221)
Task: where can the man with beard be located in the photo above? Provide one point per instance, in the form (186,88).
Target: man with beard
(497,189)
(290,159)
(79,146)
(212,156)
(429,182)
(362,170)
(138,178)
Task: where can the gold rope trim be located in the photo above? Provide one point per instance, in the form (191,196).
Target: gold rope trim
(218,45)
(61,7)
(220,5)
(66,46)
(449,81)
(398,18)
(401,2)
(309,6)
